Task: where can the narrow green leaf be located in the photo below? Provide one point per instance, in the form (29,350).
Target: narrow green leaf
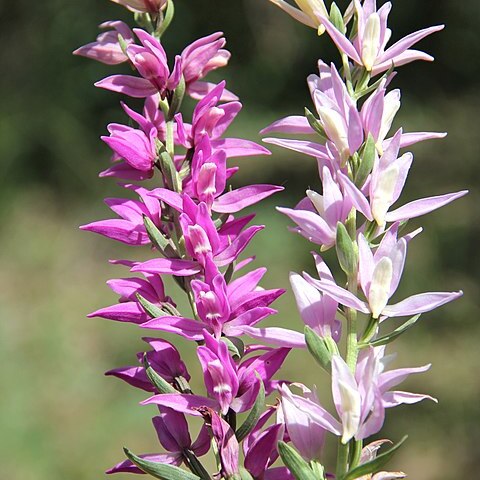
(167,20)
(315,124)
(170,172)
(155,235)
(298,467)
(229,272)
(157,381)
(247,426)
(195,465)
(375,85)
(318,349)
(386,339)
(336,18)
(374,465)
(123,44)
(346,251)
(153,310)
(160,470)
(236,347)
(177,99)
(221,220)
(245,474)
(367,160)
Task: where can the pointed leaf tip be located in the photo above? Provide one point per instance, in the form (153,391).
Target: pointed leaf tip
(374,465)
(298,467)
(159,470)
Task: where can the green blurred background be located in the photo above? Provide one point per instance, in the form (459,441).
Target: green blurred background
(59,417)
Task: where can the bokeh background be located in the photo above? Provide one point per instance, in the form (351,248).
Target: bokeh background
(59,417)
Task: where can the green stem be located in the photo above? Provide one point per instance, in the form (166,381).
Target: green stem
(348,75)
(355,452)
(342,459)
(351,314)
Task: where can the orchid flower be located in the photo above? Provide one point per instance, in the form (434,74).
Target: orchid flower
(379,276)
(173,435)
(307,436)
(106,49)
(130,228)
(368,48)
(361,399)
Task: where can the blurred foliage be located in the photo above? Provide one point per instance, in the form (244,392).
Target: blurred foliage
(59,417)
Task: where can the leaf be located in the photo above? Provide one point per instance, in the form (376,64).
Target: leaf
(160,470)
(195,465)
(157,381)
(235,346)
(168,169)
(245,474)
(155,235)
(177,99)
(386,339)
(249,424)
(221,220)
(346,251)
(367,160)
(153,310)
(315,124)
(167,20)
(318,349)
(336,18)
(374,465)
(298,467)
